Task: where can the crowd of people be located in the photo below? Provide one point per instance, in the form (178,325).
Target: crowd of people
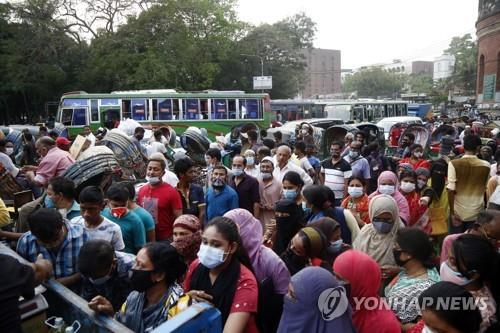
(277,241)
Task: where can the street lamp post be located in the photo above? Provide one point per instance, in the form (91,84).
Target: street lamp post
(261,63)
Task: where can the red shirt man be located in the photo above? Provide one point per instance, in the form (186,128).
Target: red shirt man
(160,199)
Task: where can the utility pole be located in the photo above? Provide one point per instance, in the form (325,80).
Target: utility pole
(261,62)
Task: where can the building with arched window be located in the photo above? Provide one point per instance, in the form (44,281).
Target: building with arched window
(488,61)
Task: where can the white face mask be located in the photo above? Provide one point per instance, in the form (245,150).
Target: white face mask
(153,180)
(9,150)
(355,192)
(421,183)
(210,257)
(407,187)
(304,131)
(386,189)
(418,154)
(250,160)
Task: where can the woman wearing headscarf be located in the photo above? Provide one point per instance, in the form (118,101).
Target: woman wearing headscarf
(270,271)
(377,239)
(417,204)
(388,184)
(303,310)
(332,231)
(289,220)
(307,248)
(187,236)
(364,276)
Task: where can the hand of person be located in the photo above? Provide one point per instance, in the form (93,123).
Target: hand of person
(28,168)
(455,220)
(424,201)
(389,271)
(267,241)
(101,305)
(200,296)
(45,267)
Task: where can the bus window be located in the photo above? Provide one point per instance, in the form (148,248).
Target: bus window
(231,104)
(139,109)
(390,110)
(203,108)
(66,116)
(251,108)
(175,109)
(219,109)
(126,109)
(163,109)
(79,117)
(109,102)
(94,110)
(111,117)
(74,102)
(191,108)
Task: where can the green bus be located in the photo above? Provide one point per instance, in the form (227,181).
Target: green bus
(216,111)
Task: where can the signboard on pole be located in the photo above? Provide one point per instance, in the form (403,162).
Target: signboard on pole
(262,82)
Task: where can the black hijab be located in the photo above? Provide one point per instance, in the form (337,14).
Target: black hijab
(287,227)
(222,290)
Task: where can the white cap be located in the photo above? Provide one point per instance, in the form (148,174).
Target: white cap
(157,156)
(268,158)
(495,131)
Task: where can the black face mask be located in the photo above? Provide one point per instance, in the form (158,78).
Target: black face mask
(295,259)
(140,280)
(397,259)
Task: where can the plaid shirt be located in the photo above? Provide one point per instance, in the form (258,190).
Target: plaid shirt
(65,260)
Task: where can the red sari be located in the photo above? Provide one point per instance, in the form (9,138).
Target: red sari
(361,207)
(419,216)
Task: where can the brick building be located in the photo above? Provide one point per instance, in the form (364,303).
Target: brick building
(323,72)
(488,71)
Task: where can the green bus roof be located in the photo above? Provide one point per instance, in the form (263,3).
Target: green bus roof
(154,94)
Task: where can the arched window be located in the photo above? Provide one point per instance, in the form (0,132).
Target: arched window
(480,75)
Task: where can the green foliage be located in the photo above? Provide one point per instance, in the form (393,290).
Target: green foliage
(48,47)
(420,83)
(464,74)
(374,82)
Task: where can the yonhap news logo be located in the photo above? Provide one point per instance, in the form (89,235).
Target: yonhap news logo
(333,303)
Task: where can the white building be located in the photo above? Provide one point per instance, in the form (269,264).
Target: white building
(443,66)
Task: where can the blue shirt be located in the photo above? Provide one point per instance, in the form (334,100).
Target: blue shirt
(146,218)
(133,232)
(65,260)
(315,162)
(219,203)
(74,211)
(359,167)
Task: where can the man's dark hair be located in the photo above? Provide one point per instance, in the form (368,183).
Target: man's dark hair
(28,136)
(117,192)
(162,162)
(244,159)
(45,223)
(278,135)
(129,186)
(157,134)
(337,143)
(53,134)
(264,150)
(91,194)
(410,136)
(214,153)
(64,186)
(139,130)
(96,256)
(300,146)
(487,216)
(220,167)
(3,142)
(263,133)
(252,135)
(269,143)
(182,166)
(471,142)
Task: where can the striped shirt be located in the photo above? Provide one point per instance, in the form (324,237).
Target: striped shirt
(65,260)
(336,175)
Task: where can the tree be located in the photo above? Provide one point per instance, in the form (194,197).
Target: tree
(420,83)
(374,82)
(280,46)
(464,49)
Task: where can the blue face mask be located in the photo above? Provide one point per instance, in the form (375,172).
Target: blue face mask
(335,246)
(382,227)
(49,203)
(237,171)
(290,194)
